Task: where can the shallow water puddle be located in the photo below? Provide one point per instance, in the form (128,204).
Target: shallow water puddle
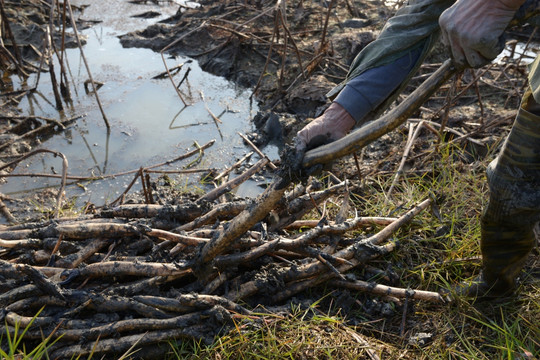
(149,123)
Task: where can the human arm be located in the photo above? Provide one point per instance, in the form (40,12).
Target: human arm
(381,70)
(360,96)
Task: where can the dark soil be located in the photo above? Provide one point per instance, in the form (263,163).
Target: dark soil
(230,39)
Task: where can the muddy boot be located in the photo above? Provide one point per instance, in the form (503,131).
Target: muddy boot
(508,221)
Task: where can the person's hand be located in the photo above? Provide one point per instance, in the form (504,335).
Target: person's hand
(473,29)
(332,125)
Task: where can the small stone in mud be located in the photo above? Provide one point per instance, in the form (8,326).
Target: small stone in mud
(356,23)
(345,301)
(271,128)
(147,15)
(387,309)
(421,339)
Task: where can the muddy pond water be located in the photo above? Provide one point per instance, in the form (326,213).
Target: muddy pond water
(149,123)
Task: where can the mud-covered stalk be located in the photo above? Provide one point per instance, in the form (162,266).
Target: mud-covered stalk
(244,221)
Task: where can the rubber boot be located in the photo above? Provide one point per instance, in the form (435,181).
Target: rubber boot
(508,221)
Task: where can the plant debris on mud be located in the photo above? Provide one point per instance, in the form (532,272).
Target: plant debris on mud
(136,272)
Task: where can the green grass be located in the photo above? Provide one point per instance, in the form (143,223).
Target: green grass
(12,347)
(301,334)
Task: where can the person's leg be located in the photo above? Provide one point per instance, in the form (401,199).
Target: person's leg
(508,221)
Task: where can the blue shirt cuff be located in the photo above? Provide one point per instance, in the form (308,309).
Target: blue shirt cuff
(365,92)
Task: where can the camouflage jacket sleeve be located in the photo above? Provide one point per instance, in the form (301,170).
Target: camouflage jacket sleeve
(534,79)
(414,25)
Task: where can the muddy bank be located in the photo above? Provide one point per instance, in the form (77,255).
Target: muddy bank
(233,40)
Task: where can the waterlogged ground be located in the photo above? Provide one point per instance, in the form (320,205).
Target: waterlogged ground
(149,123)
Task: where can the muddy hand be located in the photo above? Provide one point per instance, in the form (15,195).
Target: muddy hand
(300,172)
(332,125)
(474,29)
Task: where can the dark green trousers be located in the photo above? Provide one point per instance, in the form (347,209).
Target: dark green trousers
(509,219)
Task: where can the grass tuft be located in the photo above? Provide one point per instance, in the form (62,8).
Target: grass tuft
(12,347)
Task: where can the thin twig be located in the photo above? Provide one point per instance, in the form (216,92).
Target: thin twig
(162,52)
(101,177)
(234,166)
(230,185)
(6,213)
(74,27)
(410,140)
(217,121)
(259,152)
(400,293)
